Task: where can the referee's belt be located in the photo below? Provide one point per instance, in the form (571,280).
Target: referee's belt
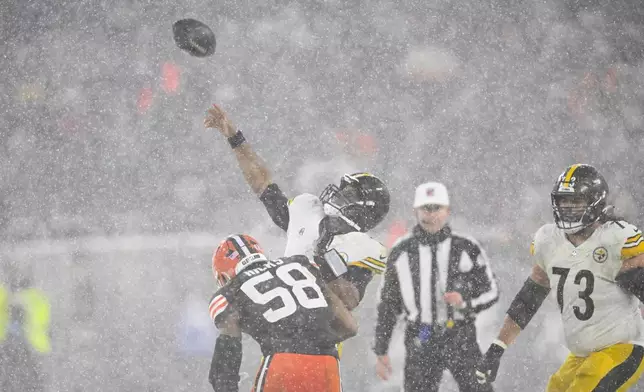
(422,332)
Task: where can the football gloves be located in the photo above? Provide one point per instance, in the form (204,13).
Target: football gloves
(489,365)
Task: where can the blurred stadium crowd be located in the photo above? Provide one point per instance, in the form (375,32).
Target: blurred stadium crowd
(102,135)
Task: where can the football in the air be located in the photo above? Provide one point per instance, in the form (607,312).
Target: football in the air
(194,37)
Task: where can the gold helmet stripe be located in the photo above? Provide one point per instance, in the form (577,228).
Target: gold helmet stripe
(357,175)
(570,172)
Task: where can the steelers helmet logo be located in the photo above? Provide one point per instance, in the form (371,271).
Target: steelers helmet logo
(600,254)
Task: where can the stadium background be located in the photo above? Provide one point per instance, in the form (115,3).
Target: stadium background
(112,194)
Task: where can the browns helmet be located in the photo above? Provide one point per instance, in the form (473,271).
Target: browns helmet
(233,254)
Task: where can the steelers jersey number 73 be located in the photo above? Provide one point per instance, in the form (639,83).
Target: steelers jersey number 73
(586,281)
(297,288)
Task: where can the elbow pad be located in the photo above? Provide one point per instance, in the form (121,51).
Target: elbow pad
(226,361)
(527,302)
(632,281)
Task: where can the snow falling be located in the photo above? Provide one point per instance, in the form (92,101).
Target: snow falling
(113,194)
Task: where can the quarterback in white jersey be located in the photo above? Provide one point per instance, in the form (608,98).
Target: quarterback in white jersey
(306,211)
(336,222)
(594,263)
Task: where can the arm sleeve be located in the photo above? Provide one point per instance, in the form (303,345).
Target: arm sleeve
(220,305)
(527,302)
(276,204)
(360,277)
(485,289)
(389,307)
(225,364)
(632,280)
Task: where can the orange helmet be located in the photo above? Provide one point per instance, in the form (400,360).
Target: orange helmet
(231,251)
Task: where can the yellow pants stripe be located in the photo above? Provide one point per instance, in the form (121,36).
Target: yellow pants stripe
(615,368)
(618,376)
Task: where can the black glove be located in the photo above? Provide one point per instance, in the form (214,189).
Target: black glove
(488,367)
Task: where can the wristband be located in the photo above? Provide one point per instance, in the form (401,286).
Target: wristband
(236,140)
(500,343)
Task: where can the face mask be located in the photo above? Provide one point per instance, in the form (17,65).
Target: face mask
(331,211)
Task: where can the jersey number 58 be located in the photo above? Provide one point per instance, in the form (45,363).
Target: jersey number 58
(297,289)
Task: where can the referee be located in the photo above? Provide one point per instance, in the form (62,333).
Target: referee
(440,281)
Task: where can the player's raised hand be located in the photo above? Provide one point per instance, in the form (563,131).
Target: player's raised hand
(383,367)
(217,118)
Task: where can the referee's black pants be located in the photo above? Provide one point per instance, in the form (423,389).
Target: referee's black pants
(429,351)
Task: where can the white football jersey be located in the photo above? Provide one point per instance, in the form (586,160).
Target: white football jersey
(596,313)
(359,249)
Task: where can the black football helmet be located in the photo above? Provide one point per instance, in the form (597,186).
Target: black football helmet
(579,198)
(362,200)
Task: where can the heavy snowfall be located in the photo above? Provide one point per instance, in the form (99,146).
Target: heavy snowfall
(114,195)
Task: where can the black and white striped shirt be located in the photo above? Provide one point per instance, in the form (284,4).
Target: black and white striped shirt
(420,269)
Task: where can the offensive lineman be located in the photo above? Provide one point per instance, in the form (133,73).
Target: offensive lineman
(337,220)
(284,306)
(595,263)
